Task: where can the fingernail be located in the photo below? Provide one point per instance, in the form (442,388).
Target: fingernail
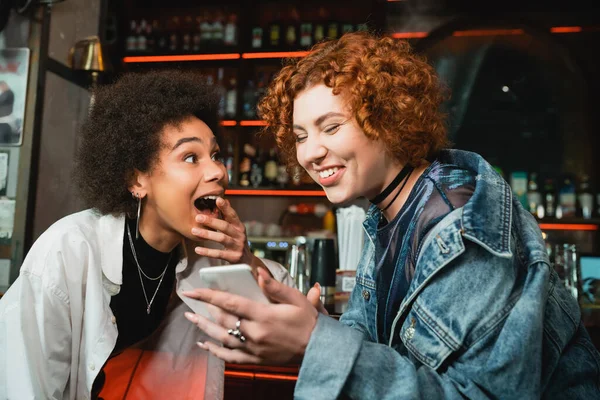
(220,201)
(200,218)
(318,286)
(202,345)
(195,231)
(191,317)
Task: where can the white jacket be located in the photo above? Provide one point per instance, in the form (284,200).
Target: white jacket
(56,326)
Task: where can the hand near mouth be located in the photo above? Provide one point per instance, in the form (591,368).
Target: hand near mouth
(230,232)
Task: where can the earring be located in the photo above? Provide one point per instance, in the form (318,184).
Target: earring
(139,211)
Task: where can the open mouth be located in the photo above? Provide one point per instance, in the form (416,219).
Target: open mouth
(207,205)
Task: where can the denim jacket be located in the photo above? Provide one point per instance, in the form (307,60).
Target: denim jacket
(485,315)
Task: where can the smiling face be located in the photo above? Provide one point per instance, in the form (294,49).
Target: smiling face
(183,183)
(335,151)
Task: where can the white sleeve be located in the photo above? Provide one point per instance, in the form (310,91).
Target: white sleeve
(35,351)
(279,272)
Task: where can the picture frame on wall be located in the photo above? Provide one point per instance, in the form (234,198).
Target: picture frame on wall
(14,69)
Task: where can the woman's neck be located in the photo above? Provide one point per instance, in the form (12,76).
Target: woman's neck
(159,237)
(400,200)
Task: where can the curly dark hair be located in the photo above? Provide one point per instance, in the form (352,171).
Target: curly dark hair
(394,94)
(123,131)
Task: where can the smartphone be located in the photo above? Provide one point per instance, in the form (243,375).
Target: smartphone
(236,279)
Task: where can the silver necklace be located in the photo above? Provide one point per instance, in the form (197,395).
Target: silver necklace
(140,272)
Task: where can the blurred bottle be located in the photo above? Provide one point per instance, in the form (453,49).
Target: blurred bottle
(221,92)
(257,169)
(196,35)
(518,184)
(567,198)
(292,29)
(534,197)
(329,221)
(270,174)
(246,165)
(206,29)
(173,29)
(141,36)
(257,37)
(585,199)
(218,30)
(283,176)
(131,39)
(186,34)
(275,31)
(319,31)
(249,100)
(549,198)
(230,35)
(297,267)
(306,34)
(231,99)
(228,161)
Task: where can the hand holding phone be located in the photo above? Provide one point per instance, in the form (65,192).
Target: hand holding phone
(236,279)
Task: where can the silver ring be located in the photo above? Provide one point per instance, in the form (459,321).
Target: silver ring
(236,332)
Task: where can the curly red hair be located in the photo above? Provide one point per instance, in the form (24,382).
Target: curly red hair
(394,94)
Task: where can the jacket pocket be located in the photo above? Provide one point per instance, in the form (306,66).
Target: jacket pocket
(428,342)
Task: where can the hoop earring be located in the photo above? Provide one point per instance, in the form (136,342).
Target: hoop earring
(139,212)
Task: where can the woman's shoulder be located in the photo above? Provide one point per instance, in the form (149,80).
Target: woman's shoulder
(73,234)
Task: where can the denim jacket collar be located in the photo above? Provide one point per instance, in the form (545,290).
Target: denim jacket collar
(488,226)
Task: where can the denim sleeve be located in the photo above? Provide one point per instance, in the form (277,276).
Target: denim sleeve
(503,362)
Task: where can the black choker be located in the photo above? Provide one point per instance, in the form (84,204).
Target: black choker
(407,169)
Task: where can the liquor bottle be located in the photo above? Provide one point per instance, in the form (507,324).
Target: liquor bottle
(186,34)
(249,100)
(231,99)
(270,174)
(221,92)
(332,30)
(567,198)
(292,29)
(246,165)
(150,37)
(283,176)
(549,198)
(347,28)
(534,197)
(306,34)
(196,35)
(230,36)
(141,36)
(319,31)
(362,27)
(206,29)
(275,31)
(228,162)
(585,199)
(173,30)
(518,184)
(218,30)
(131,40)
(257,37)
(160,37)
(257,169)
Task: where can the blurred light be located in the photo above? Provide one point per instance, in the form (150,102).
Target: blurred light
(505,89)
(565,29)
(409,35)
